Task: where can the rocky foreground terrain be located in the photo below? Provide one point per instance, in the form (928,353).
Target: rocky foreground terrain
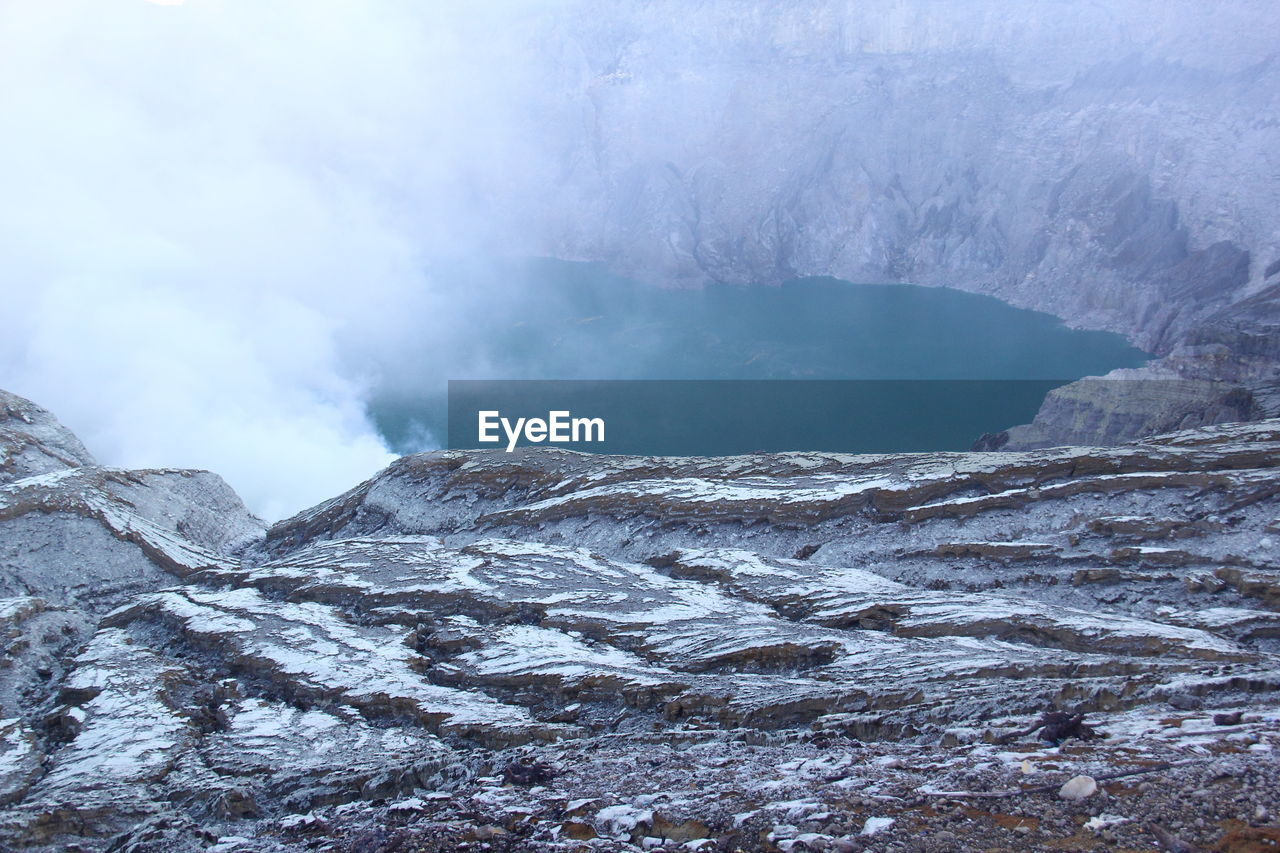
(550,651)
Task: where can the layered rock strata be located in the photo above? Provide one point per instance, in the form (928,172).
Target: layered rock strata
(468,626)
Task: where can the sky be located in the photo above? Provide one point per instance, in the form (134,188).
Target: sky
(218,213)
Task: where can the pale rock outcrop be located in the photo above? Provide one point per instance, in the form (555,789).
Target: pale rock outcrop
(33,442)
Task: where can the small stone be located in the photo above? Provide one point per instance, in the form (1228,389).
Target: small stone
(1078,788)
(1185,701)
(488,832)
(876,824)
(578,808)
(1228,719)
(1101,823)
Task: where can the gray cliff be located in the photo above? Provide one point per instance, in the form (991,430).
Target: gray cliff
(1110,163)
(33,442)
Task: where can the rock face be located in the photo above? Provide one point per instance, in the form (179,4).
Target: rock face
(980,144)
(77,541)
(1106,163)
(33,442)
(1133,403)
(924,142)
(424,651)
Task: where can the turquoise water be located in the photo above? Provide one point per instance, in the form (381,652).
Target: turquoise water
(557,320)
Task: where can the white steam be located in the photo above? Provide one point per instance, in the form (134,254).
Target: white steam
(216,216)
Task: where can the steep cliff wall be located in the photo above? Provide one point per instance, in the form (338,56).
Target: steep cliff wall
(1110,163)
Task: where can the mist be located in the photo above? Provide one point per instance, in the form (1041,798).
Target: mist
(225,220)
(219,216)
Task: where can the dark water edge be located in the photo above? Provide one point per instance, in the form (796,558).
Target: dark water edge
(729,417)
(547,319)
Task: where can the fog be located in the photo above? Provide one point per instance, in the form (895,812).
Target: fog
(222,218)
(217,218)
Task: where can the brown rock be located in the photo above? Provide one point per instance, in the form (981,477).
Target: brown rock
(1250,839)
(687,830)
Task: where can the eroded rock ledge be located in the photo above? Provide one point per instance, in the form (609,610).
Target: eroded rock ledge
(547,650)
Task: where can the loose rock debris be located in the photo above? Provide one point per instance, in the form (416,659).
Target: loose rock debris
(522,773)
(1055,727)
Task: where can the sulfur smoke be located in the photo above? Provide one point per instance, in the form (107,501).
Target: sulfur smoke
(218,218)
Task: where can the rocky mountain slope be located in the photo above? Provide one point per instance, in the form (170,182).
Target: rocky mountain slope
(547,650)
